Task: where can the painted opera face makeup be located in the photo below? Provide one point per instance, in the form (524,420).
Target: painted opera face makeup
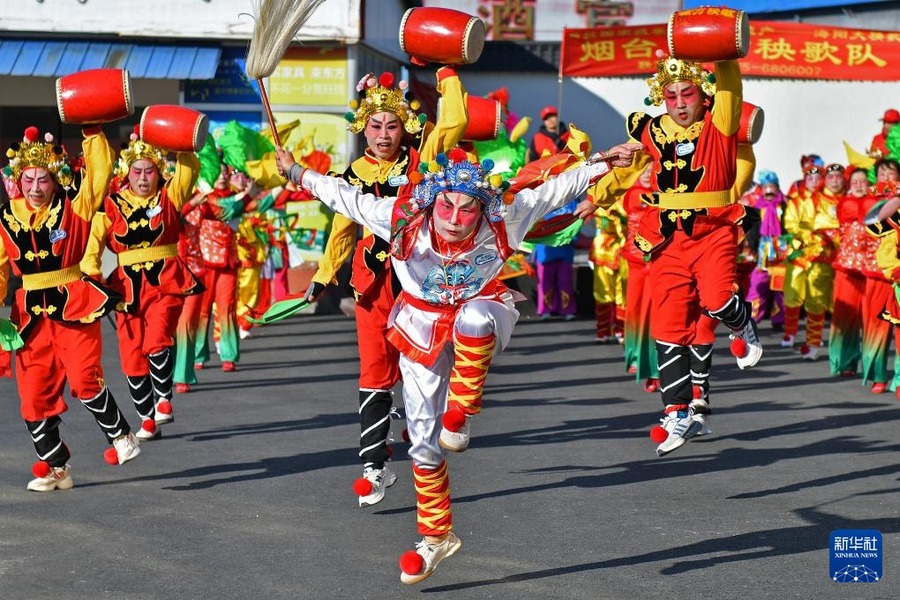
(859,184)
(685,102)
(37,185)
(143,178)
(384,133)
(456,215)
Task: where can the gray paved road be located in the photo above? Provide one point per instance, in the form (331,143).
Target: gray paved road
(560,496)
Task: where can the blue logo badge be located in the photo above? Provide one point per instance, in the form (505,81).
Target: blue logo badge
(483,259)
(398,180)
(855,556)
(57,235)
(686,148)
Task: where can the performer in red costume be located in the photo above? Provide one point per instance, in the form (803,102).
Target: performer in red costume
(387,118)
(690,229)
(58,310)
(140,223)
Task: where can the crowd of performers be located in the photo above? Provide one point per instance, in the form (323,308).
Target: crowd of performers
(430,226)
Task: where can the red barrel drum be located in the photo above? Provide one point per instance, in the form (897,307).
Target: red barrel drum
(709,34)
(175,128)
(94,96)
(484,119)
(441,35)
(752,119)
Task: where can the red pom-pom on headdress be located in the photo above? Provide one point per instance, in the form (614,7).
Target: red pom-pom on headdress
(457,155)
(386,79)
(31,134)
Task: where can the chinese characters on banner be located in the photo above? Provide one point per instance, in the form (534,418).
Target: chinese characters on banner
(777,49)
(310,77)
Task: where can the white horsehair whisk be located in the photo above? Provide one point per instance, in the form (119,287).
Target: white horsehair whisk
(277,23)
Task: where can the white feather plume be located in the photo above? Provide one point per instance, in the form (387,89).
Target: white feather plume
(277,23)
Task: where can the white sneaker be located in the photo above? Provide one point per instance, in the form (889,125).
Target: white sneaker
(59,478)
(680,427)
(812,353)
(244,333)
(699,411)
(164,413)
(381,479)
(455,441)
(148,431)
(432,555)
(787,341)
(127,447)
(753,349)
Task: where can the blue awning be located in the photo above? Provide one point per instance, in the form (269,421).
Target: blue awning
(52,58)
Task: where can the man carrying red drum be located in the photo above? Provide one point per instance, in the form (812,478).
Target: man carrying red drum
(57,312)
(140,223)
(690,230)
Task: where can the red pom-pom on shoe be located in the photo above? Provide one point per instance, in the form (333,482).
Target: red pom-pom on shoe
(405,435)
(229,367)
(362,487)
(111,456)
(411,562)
(698,392)
(804,349)
(149,426)
(454,419)
(182,388)
(40,469)
(658,434)
(738,347)
(164,407)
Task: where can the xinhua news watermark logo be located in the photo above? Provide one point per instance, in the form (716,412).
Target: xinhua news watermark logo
(856,556)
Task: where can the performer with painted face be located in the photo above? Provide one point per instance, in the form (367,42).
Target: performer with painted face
(386,116)
(690,230)
(44,233)
(449,237)
(140,223)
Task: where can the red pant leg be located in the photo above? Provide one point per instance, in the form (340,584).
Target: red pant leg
(40,376)
(379,366)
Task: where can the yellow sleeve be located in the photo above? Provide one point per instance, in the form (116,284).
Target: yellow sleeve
(619,180)
(98,170)
(452,117)
(792,217)
(746,166)
(180,187)
(726,112)
(92,262)
(340,244)
(886,254)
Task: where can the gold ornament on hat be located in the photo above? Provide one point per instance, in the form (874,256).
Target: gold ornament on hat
(138,149)
(672,70)
(32,153)
(381,96)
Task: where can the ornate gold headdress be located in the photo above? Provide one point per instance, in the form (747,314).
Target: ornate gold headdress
(381,96)
(135,150)
(33,153)
(670,70)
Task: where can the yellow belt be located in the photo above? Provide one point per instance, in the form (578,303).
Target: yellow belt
(151,254)
(692,200)
(50,279)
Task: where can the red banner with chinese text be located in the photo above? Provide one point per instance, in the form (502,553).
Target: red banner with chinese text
(777,49)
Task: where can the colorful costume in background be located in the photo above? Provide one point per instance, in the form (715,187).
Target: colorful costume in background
(810,218)
(372,279)
(640,351)
(57,311)
(610,270)
(765,292)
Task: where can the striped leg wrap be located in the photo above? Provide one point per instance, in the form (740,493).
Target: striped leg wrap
(47,443)
(791,320)
(142,395)
(105,410)
(701,362)
(734,314)
(375,426)
(674,373)
(433,515)
(603,312)
(161,369)
(815,323)
(472,359)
